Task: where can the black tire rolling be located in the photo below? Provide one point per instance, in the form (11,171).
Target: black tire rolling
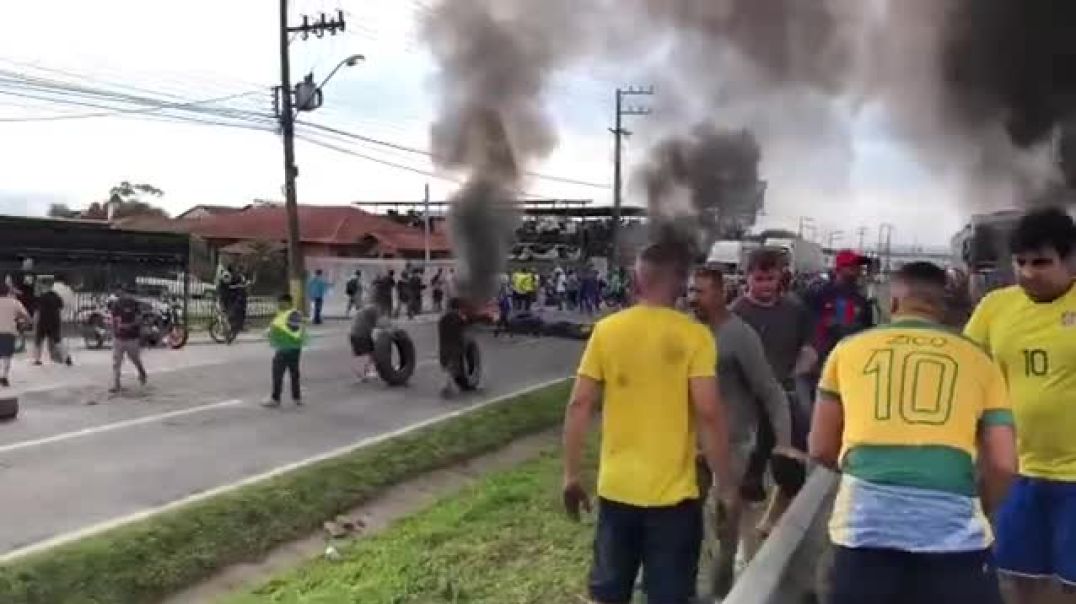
(9,408)
(383,344)
(470,375)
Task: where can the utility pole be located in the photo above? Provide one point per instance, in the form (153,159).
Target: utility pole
(296,270)
(862,232)
(806,222)
(426,223)
(618,148)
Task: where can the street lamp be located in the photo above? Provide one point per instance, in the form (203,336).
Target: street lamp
(351,61)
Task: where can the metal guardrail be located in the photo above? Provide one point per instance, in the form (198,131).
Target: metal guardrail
(793,563)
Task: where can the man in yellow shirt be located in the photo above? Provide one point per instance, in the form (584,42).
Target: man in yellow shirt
(652,368)
(904,412)
(1030,330)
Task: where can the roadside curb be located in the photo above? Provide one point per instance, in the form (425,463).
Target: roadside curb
(148,555)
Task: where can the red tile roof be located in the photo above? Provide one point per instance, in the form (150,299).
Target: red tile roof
(329,225)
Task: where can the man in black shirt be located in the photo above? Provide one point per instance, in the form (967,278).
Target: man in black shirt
(127,340)
(383,288)
(450,331)
(47,326)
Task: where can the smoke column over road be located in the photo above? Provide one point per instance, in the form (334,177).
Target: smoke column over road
(980,87)
(777,68)
(495,58)
(693,182)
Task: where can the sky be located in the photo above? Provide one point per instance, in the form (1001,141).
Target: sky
(201,49)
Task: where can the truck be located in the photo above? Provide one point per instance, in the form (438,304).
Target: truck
(730,255)
(803,256)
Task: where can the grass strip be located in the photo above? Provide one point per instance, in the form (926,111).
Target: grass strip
(503,541)
(145,561)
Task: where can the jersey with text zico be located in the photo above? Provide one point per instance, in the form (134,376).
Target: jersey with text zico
(644,357)
(1035,345)
(914,397)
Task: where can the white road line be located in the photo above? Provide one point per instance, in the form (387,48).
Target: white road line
(366,442)
(138,421)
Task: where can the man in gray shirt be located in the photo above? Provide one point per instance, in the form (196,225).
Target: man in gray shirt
(366,320)
(784,325)
(749,391)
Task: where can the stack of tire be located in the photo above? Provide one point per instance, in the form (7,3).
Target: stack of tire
(9,408)
(469,375)
(388,370)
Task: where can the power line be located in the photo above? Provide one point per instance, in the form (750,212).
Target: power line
(117,112)
(427,153)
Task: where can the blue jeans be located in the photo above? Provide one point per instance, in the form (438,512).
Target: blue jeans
(317,310)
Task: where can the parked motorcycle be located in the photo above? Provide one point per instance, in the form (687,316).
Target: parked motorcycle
(163,323)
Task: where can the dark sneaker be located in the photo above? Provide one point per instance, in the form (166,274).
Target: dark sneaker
(5,383)
(298,402)
(142,379)
(68,362)
(37,363)
(271,403)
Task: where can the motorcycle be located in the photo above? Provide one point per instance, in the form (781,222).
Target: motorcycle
(162,323)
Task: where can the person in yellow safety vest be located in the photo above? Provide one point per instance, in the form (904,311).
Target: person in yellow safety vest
(519,289)
(287,334)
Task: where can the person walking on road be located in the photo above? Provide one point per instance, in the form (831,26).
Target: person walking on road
(437,284)
(127,337)
(414,294)
(403,291)
(287,335)
(451,329)
(652,370)
(353,290)
(48,326)
(383,288)
(915,417)
(367,319)
(316,290)
(749,390)
(12,313)
(1030,330)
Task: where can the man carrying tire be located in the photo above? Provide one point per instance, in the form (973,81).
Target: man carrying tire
(451,330)
(367,319)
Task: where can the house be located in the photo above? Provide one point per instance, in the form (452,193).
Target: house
(325,231)
(205,211)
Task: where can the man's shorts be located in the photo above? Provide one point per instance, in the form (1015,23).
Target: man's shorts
(7,345)
(664,541)
(47,333)
(872,576)
(1036,530)
(362,345)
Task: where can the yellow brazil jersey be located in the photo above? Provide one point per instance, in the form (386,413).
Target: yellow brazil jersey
(1035,346)
(644,357)
(914,395)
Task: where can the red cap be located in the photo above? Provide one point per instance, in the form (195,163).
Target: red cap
(847,259)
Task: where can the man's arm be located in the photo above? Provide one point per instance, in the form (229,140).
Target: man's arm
(997,463)
(764,386)
(585,396)
(827,430)
(713,427)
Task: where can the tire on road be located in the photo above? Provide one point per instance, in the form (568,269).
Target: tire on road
(387,370)
(9,408)
(470,375)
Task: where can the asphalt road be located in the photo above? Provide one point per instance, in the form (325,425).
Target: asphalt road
(77,458)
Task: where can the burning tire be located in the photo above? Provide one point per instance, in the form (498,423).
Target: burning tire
(469,375)
(395,369)
(9,409)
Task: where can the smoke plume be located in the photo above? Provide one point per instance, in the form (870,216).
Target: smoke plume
(701,185)
(494,59)
(775,68)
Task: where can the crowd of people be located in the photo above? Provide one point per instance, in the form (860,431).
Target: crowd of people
(923,422)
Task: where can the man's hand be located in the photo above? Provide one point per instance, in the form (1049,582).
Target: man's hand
(575,497)
(789,469)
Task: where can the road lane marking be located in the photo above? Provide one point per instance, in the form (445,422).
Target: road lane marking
(96,529)
(138,421)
